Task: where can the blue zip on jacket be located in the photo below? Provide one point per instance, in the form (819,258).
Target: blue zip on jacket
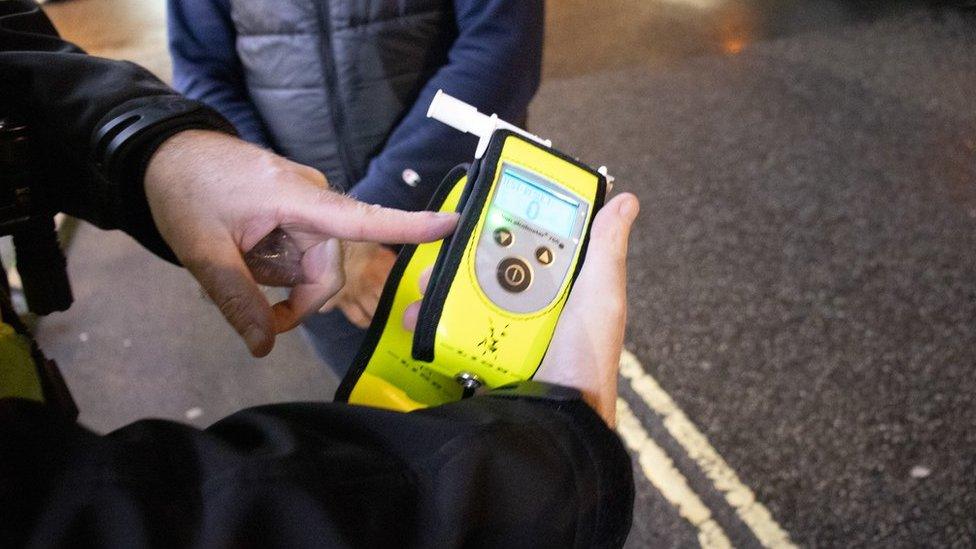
(381,64)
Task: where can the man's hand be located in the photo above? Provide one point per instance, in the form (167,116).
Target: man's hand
(585,349)
(367,266)
(215,198)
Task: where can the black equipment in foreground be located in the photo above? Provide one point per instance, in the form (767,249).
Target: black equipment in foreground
(40,261)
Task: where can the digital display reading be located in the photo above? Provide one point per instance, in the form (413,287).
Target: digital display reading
(536,204)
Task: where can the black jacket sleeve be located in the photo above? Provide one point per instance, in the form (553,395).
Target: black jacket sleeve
(491,471)
(65,97)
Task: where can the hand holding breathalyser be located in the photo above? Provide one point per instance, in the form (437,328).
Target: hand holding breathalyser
(200,186)
(498,285)
(586,346)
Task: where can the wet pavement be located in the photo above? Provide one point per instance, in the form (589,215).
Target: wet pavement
(803,274)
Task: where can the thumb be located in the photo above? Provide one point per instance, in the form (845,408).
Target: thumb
(600,292)
(606,256)
(585,348)
(322,277)
(220,269)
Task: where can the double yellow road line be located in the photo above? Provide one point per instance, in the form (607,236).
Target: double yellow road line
(660,470)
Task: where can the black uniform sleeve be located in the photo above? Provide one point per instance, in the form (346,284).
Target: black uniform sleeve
(486,472)
(66,97)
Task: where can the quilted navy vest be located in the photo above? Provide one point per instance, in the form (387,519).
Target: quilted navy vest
(331,78)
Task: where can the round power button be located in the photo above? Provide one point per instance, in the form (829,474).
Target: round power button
(514,274)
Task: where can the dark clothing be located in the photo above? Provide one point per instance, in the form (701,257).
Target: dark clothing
(527,466)
(344,86)
(489,471)
(66,96)
(206,67)
(335,339)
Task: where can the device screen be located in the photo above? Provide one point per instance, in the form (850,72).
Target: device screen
(533,202)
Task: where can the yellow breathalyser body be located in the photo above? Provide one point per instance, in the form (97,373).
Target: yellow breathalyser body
(498,285)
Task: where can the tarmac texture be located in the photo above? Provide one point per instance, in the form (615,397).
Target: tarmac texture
(802,274)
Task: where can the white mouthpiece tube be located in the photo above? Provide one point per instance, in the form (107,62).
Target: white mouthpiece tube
(461,116)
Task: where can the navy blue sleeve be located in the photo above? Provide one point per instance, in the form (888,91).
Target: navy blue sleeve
(206,66)
(495,65)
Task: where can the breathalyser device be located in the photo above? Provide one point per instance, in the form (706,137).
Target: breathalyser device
(498,284)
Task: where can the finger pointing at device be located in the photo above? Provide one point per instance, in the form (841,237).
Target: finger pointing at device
(214,198)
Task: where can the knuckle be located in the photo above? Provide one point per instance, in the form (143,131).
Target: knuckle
(235,309)
(317,177)
(307,175)
(614,308)
(284,170)
(339,279)
(271,164)
(607,232)
(611,241)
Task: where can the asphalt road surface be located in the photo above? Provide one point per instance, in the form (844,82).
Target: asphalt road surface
(803,274)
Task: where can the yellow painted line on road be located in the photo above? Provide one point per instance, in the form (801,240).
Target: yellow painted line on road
(661,472)
(752,512)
